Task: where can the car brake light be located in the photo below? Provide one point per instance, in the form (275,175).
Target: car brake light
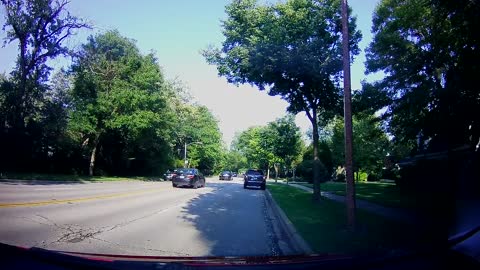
(190,176)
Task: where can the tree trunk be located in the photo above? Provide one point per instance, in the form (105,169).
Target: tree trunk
(316,160)
(18,116)
(350,187)
(92,157)
(294,177)
(268,172)
(275,166)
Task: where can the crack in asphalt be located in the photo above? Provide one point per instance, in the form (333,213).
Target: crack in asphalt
(72,233)
(178,203)
(75,233)
(49,220)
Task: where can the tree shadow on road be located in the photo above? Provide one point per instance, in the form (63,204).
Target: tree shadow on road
(231,220)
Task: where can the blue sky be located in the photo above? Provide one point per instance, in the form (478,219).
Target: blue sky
(177,30)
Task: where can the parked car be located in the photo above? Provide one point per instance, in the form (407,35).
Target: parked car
(254,178)
(234,174)
(188,177)
(225,175)
(168,175)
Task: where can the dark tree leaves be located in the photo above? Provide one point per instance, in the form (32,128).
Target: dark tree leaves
(429,50)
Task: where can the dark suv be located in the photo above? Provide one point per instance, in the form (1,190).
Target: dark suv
(254,178)
(225,175)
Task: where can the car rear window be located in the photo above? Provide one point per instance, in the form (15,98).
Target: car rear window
(185,171)
(254,172)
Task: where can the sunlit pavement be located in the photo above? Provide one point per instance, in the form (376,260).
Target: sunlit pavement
(140,218)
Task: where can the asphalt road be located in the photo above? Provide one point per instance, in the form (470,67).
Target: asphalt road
(140,218)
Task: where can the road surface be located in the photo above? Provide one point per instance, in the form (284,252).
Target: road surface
(139,218)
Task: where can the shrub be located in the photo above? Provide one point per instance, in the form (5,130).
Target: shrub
(372,178)
(305,170)
(390,173)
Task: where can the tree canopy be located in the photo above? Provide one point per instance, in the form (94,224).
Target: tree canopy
(111,112)
(41,27)
(370,142)
(117,90)
(292,49)
(277,144)
(428,50)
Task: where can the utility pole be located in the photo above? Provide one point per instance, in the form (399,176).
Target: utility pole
(347,103)
(185,155)
(185,151)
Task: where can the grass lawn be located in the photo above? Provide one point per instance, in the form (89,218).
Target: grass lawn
(76,178)
(323,225)
(386,194)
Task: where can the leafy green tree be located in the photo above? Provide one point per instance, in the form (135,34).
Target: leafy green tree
(291,49)
(267,141)
(370,144)
(252,146)
(203,128)
(325,156)
(286,141)
(53,142)
(368,100)
(428,50)
(40,27)
(277,144)
(234,161)
(117,91)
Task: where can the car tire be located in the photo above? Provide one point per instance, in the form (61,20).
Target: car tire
(263,187)
(244,186)
(173,185)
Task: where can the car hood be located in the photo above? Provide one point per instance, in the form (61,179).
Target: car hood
(96,259)
(37,258)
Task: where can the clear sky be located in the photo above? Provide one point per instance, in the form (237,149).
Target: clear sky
(177,30)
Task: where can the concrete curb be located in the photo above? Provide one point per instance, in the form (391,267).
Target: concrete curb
(297,242)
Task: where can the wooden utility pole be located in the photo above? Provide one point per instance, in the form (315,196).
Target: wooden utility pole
(347,103)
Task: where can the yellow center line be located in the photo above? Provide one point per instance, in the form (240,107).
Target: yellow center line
(99,197)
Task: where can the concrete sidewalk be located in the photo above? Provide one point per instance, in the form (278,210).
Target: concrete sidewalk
(396,214)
